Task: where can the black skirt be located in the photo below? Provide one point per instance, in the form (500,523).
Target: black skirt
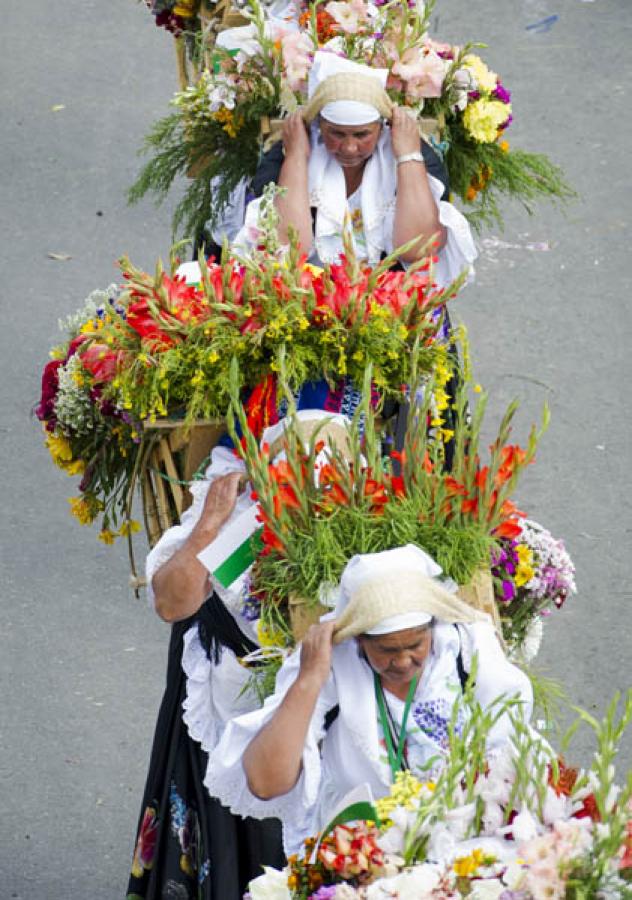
(189,846)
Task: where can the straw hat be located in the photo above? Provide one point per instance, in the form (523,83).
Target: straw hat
(385,592)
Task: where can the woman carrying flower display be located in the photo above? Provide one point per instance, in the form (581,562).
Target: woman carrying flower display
(206,687)
(353,172)
(402,647)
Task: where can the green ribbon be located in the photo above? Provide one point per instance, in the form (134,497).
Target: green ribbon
(242,556)
(394,758)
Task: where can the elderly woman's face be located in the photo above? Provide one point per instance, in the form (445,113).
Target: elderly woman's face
(399,656)
(350,145)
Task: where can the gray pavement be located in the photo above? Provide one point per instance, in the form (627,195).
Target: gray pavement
(81,661)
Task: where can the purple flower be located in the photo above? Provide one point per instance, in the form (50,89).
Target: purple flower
(506,123)
(509,591)
(324,893)
(500,92)
(474,95)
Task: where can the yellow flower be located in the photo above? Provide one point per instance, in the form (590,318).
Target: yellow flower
(477,389)
(59,448)
(404,792)
(130,526)
(483,118)
(358,356)
(76,467)
(525,556)
(468,865)
(88,326)
(524,574)
(268,636)
(486,80)
(107,536)
(504,146)
(303,323)
(83,509)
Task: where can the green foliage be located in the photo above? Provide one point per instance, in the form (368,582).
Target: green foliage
(527,177)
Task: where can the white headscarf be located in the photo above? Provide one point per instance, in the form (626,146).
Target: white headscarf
(343,112)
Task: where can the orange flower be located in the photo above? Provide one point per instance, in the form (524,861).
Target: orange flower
(512,457)
(566,778)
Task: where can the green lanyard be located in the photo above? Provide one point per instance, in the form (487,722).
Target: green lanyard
(394,759)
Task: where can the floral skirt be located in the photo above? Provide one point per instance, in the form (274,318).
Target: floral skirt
(188,846)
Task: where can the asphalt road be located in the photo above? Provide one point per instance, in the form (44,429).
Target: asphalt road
(81,661)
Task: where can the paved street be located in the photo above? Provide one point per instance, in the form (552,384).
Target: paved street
(81,661)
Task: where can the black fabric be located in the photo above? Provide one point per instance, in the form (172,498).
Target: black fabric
(269,168)
(193,848)
(218,629)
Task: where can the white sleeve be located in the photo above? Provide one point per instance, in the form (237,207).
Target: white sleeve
(459,251)
(225,775)
(231,218)
(496,677)
(249,236)
(215,692)
(223,461)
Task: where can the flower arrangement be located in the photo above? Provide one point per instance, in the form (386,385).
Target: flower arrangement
(159,347)
(533,574)
(517,826)
(176,16)
(87,433)
(462,105)
(316,514)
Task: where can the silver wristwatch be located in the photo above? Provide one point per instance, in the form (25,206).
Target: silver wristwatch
(409,157)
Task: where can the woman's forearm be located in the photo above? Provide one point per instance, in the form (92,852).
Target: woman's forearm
(416,214)
(293,205)
(181,585)
(273,759)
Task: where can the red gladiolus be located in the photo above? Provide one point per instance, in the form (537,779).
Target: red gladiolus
(509,529)
(589,809)
(185,304)
(101,362)
(271,542)
(140,318)
(398,486)
(261,406)
(376,493)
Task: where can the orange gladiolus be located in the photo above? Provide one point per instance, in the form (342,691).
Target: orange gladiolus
(454,488)
(512,456)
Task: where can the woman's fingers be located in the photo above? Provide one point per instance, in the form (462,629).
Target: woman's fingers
(222,497)
(404,132)
(295,136)
(316,651)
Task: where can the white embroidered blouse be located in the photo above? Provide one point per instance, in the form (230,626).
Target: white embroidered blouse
(352,751)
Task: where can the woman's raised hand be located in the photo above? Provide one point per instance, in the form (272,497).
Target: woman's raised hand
(220,500)
(295,137)
(316,653)
(404,133)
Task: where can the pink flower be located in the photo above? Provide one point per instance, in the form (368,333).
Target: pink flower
(423,73)
(349,16)
(298,52)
